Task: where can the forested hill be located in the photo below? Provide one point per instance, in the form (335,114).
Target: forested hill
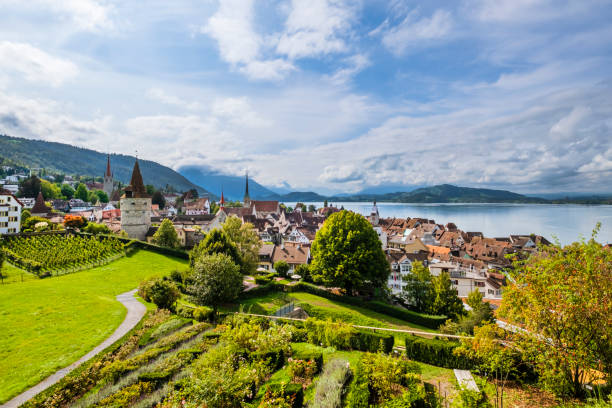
(447,193)
(67,159)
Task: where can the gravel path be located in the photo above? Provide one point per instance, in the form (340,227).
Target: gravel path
(135,312)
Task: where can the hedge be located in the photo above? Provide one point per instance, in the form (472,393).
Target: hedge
(155,377)
(315,356)
(437,352)
(429,321)
(262,290)
(372,342)
(276,358)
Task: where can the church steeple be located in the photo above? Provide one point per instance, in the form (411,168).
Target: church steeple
(108,169)
(136,189)
(108,185)
(247,198)
(222,202)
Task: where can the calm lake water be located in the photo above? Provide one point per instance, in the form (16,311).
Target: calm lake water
(566,222)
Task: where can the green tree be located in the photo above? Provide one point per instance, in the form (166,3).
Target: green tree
(312,208)
(81,192)
(281,267)
(29,187)
(158,198)
(446,302)
(418,290)
(150,189)
(480,313)
(304,271)
(102,196)
(166,235)
(93,228)
(50,191)
(67,191)
(92,197)
(215,242)
(25,214)
(216,280)
(162,292)
(244,236)
(347,253)
(562,297)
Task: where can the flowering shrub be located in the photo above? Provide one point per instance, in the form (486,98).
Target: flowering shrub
(301,370)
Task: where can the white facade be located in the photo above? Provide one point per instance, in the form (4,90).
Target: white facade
(13,188)
(466,279)
(10,214)
(398,269)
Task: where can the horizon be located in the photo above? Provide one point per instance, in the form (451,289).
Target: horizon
(337,97)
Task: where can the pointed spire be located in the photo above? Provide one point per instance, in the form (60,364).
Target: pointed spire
(136,189)
(222,202)
(247,198)
(108,169)
(247,184)
(39,205)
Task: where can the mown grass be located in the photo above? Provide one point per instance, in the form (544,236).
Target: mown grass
(46,324)
(12,274)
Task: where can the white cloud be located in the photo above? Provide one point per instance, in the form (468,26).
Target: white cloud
(316,27)
(413,33)
(354,65)
(232,27)
(34,64)
(158,94)
(566,127)
(87,15)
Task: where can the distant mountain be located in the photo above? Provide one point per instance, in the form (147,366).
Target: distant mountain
(297,196)
(67,159)
(446,193)
(233,186)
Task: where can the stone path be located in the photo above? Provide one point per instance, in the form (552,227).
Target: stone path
(135,312)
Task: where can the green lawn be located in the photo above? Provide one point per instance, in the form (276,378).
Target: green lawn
(12,274)
(46,324)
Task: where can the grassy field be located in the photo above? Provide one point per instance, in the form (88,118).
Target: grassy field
(36,317)
(12,274)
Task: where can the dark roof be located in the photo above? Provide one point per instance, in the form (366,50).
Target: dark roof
(39,206)
(136,189)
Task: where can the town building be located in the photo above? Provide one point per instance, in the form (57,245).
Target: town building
(136,207)
(108,184)
(198,206)
(40,209)
(10,213)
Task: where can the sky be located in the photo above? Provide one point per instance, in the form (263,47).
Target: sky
(323,95)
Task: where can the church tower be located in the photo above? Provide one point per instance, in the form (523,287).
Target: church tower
(374,216)
(136,207)
(247,198)
(108,179)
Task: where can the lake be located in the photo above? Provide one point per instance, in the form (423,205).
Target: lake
(565,221)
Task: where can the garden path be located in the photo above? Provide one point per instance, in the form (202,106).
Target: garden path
(135,312)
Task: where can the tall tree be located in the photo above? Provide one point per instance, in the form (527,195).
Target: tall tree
(562,297)
(67,191)
(166,235)
(50,191)
(215,242)
(216,280)
(81,192)
(244,236)
(446,302)
(418,290)
(102,196)
(29,187)
(347,253)
(158,198)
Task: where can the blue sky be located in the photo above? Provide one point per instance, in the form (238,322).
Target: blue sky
(323,95)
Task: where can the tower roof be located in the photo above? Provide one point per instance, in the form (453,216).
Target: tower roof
(108,169)
(39,205)
(136,189)
(222,202)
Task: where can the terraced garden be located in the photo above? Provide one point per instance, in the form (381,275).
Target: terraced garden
(37,315)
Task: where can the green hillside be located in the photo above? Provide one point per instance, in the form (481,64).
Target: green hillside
(73,160)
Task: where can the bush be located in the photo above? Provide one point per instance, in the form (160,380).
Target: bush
(281,267)
(386,374)
(185,311)
(163,293)
(436,352)
(275,358)
(304,271)
(330,386)
(372,342)
(343,336)
(292,393)
(203,313)
(470,399)
(359,392)
(262,280)
(301,370)
(155,377)
(315,356)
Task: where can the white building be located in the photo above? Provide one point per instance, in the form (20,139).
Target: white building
(12,188)
(10,213)
(467,278)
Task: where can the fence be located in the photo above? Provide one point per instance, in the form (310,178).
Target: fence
(285,310)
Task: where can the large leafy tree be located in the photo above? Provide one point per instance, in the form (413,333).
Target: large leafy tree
(102,196)
(562,298)
(446,302)
(50,190)
(81,192)
(67,191)
(419,289)
(246,240)
(347,253)
(158,198)
(215,242)
(216,280)
(166,235)
(29,187)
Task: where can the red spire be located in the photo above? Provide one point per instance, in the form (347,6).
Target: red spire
(222,202)
(108,170)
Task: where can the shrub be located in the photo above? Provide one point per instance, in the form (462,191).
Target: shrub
(144,289)
(128,395)
(372,342)
(155,377)
(470,399)
(163,293)
(440,353)
(292,393)
(275,359)
(301,370)
(282,267)
(177,276)
(304,271)
(185,311)
(359,392)
(315,356)
(203,313)
(262,280)
(330,386)
(343,336)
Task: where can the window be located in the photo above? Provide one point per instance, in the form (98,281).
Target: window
(480,284)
